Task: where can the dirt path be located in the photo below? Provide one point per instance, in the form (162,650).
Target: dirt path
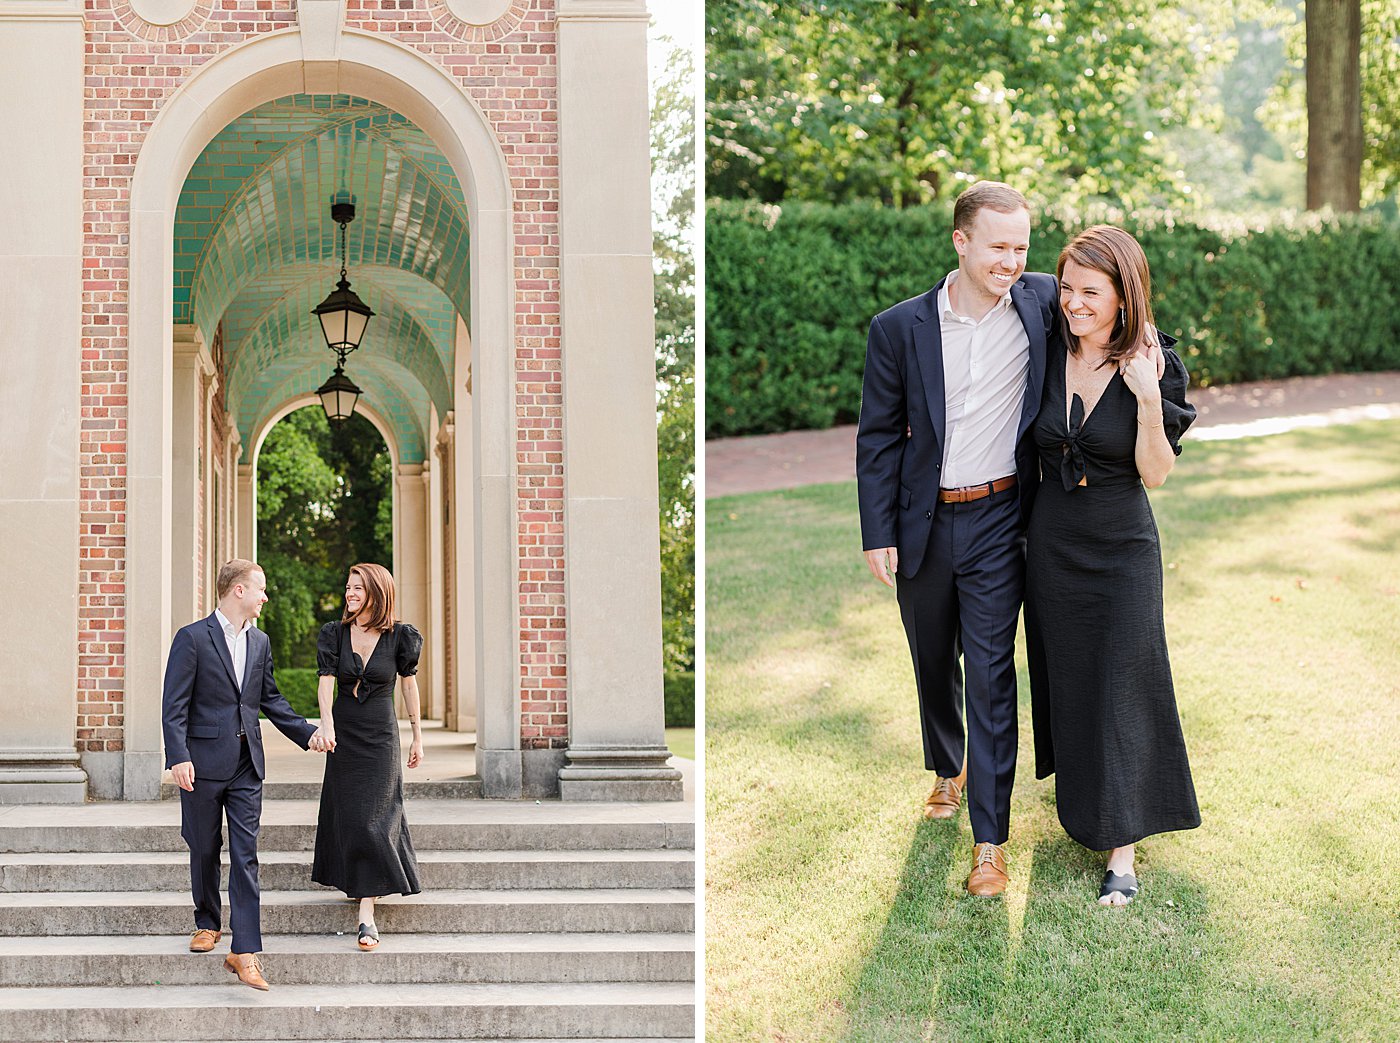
(762,463)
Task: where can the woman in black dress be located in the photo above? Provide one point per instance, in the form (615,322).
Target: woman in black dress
(362,841)
(1101,685)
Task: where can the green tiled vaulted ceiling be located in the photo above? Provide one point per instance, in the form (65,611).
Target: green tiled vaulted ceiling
(256,249)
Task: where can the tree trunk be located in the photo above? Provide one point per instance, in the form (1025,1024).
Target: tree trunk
(1334,104)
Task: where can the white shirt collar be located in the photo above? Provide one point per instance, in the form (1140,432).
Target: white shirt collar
(226,624)
(945,301)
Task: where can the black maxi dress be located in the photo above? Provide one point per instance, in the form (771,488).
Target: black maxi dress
(362,841)
(1103,704)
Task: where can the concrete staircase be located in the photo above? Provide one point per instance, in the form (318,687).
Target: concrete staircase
(541,921)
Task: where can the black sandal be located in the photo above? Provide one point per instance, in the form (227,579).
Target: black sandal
(369,936)
(1124,884)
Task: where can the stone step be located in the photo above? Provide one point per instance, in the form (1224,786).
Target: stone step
(113,960)
(34,913)
(453,789)
(351,1012)
(289,825)
(291,870)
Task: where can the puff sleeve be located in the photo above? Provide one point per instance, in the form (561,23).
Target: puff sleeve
(410,644)
(1177,413)
(328,650)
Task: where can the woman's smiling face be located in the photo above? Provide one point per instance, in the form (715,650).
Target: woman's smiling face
(354,593)
(1089,302)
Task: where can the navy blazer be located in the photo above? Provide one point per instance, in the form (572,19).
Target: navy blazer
(903,417)
(202,707)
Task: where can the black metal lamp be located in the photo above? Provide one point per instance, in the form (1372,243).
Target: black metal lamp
(338,395)
(343,315)
(343,320)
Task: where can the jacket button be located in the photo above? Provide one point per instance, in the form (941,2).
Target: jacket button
(928,514)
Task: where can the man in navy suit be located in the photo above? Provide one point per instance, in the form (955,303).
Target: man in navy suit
(217,679)
(946,472)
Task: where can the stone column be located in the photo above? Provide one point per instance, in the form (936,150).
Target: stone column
(436,589)
(41,285)
(191,365)
(617,746)
(232,452)
(457,462)
(245,514)
(411,580)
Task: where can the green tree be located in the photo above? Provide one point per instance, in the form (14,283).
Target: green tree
(1333,87)
(1378,59)
(322,495)
(908,101)
(673,178)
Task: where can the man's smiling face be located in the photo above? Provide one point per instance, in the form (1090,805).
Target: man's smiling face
(993,255)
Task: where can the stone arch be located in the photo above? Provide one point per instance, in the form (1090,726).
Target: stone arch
(260,70)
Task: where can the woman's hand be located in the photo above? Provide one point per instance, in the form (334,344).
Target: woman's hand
(1140,374)
(415,753)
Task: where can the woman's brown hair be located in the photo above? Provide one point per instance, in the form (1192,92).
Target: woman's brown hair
(1116,254)
(377,613)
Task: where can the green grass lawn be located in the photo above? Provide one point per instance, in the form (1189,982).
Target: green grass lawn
(681,742)
(835,913)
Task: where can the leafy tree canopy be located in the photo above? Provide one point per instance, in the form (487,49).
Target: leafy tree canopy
(673,179)
(324,503)
(908,101)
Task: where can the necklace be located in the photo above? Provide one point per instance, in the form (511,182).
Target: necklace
(1086,378)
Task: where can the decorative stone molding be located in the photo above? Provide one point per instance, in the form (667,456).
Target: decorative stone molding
(603,10)
(161,21)
(40,10)
(480,21)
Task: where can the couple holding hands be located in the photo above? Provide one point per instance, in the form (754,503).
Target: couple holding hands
(218,678)
(1010,424)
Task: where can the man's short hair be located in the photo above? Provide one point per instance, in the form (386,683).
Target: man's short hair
(992,195)
(233,573)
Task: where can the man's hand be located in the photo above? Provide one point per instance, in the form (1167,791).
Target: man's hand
(322,741)
(184,775)
(879,568)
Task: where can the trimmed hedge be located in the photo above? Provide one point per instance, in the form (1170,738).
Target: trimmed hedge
(299,686)
(790,291)
(680,700)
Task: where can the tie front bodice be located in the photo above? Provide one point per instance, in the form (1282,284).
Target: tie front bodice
(1097,450)
(1072,472)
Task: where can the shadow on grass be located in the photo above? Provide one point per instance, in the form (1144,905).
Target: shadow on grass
(939,951)
(947,967)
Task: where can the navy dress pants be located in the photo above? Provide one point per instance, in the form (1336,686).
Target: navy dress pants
(964,602)
(201,824)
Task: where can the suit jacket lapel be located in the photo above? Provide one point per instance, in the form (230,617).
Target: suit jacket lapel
(216,633)
(1027,304)
(928,352)
(251,654)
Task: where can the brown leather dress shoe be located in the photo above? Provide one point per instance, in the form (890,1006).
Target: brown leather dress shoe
(248,968)
(946,797)
(204,940)
(988,877)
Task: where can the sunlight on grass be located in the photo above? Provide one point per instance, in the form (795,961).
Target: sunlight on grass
(834,913)
(681,742)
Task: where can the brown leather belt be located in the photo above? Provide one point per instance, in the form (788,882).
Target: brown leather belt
(968,493)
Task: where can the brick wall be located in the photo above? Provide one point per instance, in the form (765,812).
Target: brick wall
(509,71)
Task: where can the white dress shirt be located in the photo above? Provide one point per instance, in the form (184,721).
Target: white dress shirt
(985,365)
(237,644)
